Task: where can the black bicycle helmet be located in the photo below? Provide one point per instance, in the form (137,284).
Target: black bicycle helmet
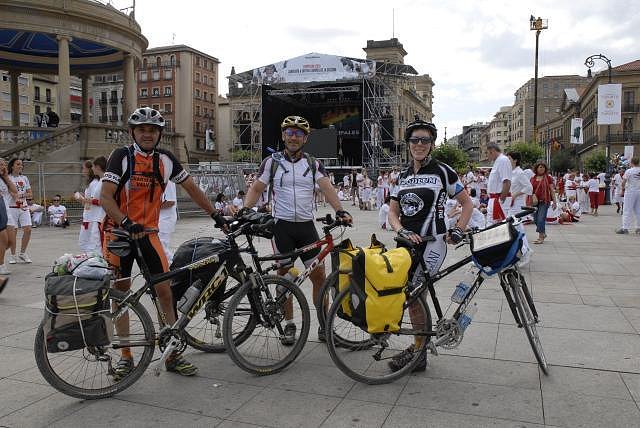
(420,124)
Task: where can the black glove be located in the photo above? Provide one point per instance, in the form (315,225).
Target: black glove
(131,227)
(341,214)
(244,211)
(218,220)
(456,234)
(404,233)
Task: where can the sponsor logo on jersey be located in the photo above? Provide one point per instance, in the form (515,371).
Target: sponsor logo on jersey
(411,204)
(412,181)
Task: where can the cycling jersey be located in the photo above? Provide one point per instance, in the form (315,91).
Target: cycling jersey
(422,197)
(293,187)
(134,199)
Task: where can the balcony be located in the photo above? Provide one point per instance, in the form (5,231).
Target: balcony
(113,100)
(103,101)
(630,108)
(589,118)
(625,137)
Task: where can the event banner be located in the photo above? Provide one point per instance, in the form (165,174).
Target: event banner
(576,131)
(314,68)
(609,104)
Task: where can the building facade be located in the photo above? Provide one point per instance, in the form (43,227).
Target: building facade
(182,83)
(25,95)
(471,140)
(550,93)
(108,99)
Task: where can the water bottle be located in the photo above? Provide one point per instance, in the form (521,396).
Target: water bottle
(464,286)
(467,316)
(190,296)
(291,275)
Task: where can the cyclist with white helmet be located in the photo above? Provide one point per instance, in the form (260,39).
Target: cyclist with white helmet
(132,188)
(292,176)
(417,209)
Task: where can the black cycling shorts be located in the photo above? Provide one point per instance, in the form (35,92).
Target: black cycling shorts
(152,251)
(288,236)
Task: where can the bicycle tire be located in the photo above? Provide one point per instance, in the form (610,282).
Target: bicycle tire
(263,334)
(379,374)
(53,366)
(328,293)
(528,322)
(204,331)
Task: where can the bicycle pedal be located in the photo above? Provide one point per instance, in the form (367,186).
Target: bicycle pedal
(431,347)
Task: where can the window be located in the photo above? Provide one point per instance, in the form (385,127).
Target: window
(168,74)
(212,98)
(172,59)
(114,77)
(158,61)
(205,95)
(23,81)
(628,99)
(197,110)
(114,97)
(37,110)
(6,115)
(197,126)
(167,125)
(36,95)
(205,79)
(144,92)
(167,91)
(48,94)
(144,76)
(24,99)
(5,78)
(155,106)
(558,110)
(206,112)
(205,64)
(197,77)
(24,118)
(114,114)
(167,108)
(156,75)
(198,61)
(546,109)
(155,92)
(197,93)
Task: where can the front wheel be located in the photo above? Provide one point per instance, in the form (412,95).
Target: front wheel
(527,320)
(372,362)
(89,373)
(282,322)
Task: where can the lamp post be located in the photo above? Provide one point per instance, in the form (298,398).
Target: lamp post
(589,62)
(536,25)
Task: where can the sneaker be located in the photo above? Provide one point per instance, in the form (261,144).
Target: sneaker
(289,337)
(181,366)
(12,259)
(23,258)
(622,231)
(123,368)
(4,270)
(400,360)
(321,335)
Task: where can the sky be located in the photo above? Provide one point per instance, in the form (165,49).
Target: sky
(478,53)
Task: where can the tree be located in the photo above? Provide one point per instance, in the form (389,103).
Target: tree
(241,156)
(596,162)
(530,153)
(561,161)
(452,156)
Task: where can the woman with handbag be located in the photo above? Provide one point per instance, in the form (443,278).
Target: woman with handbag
(543,197)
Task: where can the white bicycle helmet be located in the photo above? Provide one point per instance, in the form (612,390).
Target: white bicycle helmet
(146,116)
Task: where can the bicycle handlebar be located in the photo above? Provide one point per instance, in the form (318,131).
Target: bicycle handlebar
(410,243)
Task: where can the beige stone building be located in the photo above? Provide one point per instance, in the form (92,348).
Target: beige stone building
(224,129)
(550,92)
(182,82)
(471,141)
(583,101)
(25,99)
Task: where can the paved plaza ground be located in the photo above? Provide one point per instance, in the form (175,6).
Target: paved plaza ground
(584,280)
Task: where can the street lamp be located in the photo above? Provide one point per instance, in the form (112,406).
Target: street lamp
(536,25)
(589,62)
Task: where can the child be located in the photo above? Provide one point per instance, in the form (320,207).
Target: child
(383,213)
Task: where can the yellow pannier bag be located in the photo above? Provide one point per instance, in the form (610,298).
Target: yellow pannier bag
(377,282)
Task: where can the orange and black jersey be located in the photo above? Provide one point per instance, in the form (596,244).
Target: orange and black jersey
(140,197)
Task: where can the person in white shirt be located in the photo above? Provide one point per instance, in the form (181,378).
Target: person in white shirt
(19,215)
(570,186)
(238,201)
(521,188)
(36,212)
(383,214)
(8,191)
(593,186)
(631,194)
(168,218)
(365,193)
(499,185)
(616,184)
(583,191)
(89,239)
(601,177)
(573,208)
(58,213)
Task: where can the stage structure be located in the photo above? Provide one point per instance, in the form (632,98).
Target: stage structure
(354,106)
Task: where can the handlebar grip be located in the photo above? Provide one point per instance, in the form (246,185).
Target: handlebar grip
(401,240)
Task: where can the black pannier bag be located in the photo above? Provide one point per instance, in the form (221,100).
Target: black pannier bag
(190,251)
(77,312)
(495,248)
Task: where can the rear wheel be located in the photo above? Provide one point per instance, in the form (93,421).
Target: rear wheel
(267,350)
(527,319)
(370,362)
(88,373)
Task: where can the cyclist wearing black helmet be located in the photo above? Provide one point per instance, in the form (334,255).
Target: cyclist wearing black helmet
(292,176)
(132,189)
(417,209)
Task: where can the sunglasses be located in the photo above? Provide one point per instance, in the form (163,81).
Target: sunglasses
(423,140)
(294,132)
(56,200)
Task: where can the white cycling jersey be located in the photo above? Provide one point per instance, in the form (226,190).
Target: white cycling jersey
(293,192)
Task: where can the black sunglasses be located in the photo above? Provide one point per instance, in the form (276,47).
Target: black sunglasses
(423,140)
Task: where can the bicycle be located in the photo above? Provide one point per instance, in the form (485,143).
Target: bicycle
(89,373)
(369,362)
(250,354)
